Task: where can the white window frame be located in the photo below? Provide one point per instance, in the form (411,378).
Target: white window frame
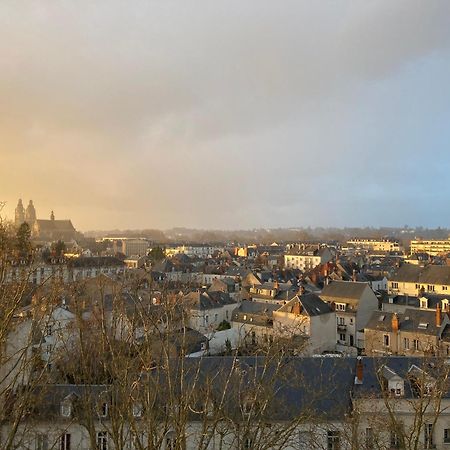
(65,441)
(102,440)
(66,409)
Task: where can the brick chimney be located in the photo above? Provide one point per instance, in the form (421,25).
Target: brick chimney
(296,308)
(438,315)
(395,323)
(359,371)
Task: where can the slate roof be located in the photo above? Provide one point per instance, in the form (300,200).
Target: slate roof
(95,261)
(401,366)
(46,225)
(408,300)
(410,273)
(408,321)
(343,290)
(312,304)
(208,300)
(319,388)
(260,313)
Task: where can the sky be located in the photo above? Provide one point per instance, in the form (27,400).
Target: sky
(226,114)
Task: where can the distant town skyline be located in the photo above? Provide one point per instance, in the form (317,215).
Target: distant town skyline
(226,115)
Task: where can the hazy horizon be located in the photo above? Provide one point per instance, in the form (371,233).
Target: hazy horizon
(226,115)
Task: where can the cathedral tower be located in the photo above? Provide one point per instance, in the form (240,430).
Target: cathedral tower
(20,213)
(30,214)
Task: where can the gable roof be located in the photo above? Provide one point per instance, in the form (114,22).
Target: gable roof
(410,273)
(312,304)
(374,369)
(46,225)
(409,321)
(344,290)
(207,300)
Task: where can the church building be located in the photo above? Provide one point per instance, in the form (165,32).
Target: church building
(47,230)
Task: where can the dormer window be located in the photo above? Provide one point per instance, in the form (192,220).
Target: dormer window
(66,409)
(392,383)
(137,409)
(424,303)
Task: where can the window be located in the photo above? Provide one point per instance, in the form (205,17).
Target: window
(247,443)
(341,321)
(394,285)
(342,337)
(103,410)
(444,288)
(102,440)
(170,443)
(386,340)
(66,409)
(369,438)
(428,435)
(48,330)
(416,344)
(395,440)
(406,343)
(65,441)
(340,306)
(333,440)
(430,288)
(137,409)
(41,442)
(446,435)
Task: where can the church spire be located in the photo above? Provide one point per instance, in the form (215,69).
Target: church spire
(52,216)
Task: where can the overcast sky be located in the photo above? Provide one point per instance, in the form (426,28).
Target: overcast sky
(226,114)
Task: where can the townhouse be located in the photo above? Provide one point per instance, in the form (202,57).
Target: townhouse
(415,280)
(354,303)
(414,332)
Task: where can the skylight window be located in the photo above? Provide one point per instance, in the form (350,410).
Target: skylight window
(423,326)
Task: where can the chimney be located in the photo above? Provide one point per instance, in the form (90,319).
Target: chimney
(296,308)
(395,323)
(276,285)
(354,275)
(359,371)
(438,315)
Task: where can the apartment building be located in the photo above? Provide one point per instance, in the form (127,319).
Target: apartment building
(376,245)
(306,259)
(432,247)
(415,280)
(353,303)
